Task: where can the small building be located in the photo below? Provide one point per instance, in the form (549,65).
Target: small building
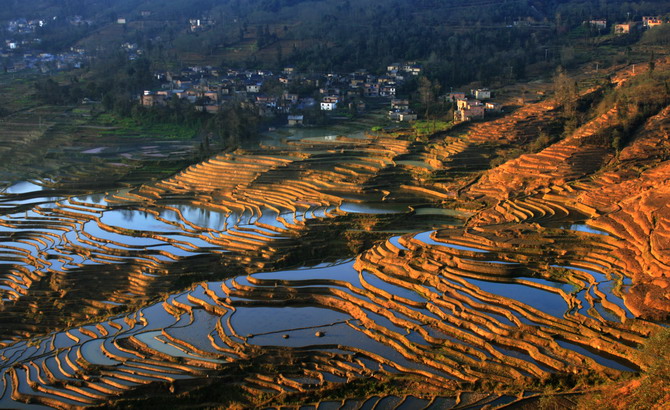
(469,114)
(414,69)
(454,96)
(465,103)
(481,93)
(253,88)
(212,95)
(407,116)
(393,67)
(402,115)
(624,28)
(599,24)
(147,99)
(407,67)
(267,101)
(331,99)
(468,110)
(492,107)
(371,90)
(292,98)
(357,81)
(387,90)
(649,21)
(182,82)
(295,120)
(328,106)
(399,104)
(120,21)
(329,103)
(151,99)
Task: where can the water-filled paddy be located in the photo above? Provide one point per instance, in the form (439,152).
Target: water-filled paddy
(227,266)
(371,208)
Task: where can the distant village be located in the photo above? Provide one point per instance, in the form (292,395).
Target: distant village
(628,27)
(209,89)
(20,49)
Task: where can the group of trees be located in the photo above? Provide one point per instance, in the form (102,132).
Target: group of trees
(459,43)
(638,99)
(567,97)
(115,81)
(110,81)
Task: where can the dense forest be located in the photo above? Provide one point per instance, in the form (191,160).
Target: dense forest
(449,11)
(484,40)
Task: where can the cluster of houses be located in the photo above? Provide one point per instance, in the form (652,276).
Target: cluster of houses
(200,24)
(468,107)
(78,21)
(474,106)
(194,24)
(361,84)
(43,62)
(400,111)
(210,89)
(23,26)
(17,30)
(132,50)
(629,26)
(20,48)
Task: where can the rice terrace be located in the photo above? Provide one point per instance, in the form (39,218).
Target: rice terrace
(154,254)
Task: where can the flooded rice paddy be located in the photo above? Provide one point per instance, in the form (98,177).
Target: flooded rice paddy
(290,270)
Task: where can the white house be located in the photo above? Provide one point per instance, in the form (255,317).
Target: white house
(253,88)
(482,93)
(328,106)
(599,24)
(387,90)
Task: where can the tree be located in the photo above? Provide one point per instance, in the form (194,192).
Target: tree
(566,95)
(428,93)
(652,63)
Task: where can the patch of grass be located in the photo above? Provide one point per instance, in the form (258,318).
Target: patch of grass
(427,127)
(651,390)
(558,274)
(130,128)
(362,389)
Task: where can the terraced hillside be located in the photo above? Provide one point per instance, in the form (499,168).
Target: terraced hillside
(353,272)
(69,146)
